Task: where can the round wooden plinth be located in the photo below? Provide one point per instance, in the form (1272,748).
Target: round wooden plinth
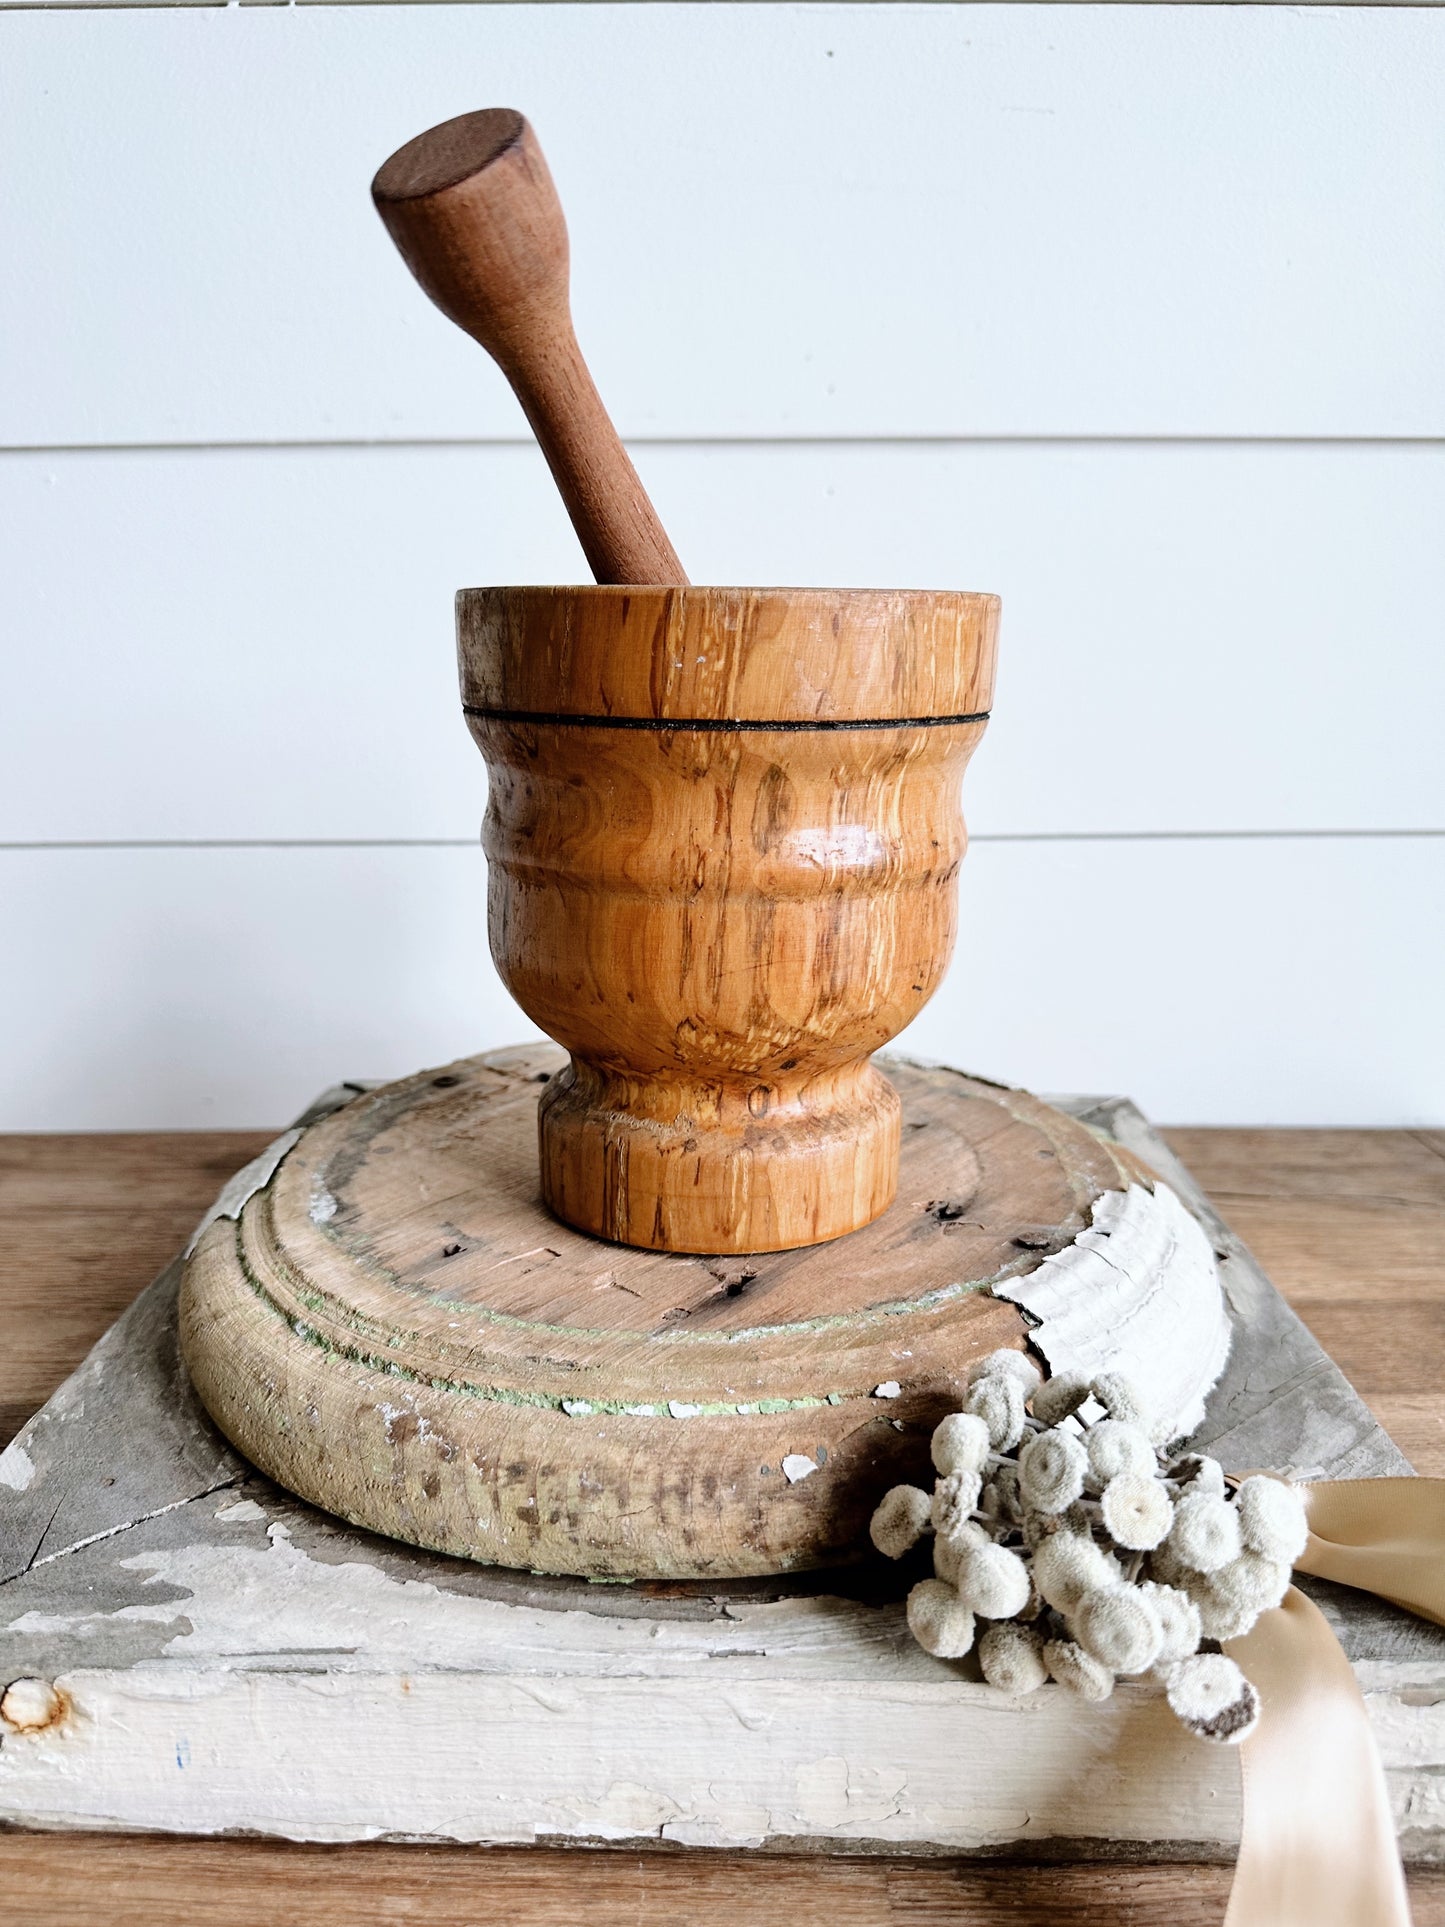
(396,1329)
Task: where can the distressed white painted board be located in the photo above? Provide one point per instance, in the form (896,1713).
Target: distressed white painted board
(259,644)
(228,1659)
(876,220)
(1248,981)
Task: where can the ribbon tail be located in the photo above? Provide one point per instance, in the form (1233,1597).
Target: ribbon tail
(1385,1536)
(1317,1845)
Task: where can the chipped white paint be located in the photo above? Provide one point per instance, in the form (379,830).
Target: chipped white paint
(240,1513)
(417,1421)
(323,1206)
(250,1179)
(285,1678)
(17,1468)
(478,1758)
(797,1465)
(1137,1292)
(836,1793)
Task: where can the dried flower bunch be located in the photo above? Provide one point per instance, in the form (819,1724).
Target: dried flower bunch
(1066,1548)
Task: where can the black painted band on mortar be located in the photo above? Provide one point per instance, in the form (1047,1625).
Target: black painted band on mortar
(718,722)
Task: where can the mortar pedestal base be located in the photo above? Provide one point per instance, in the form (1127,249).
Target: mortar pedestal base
(392,1325)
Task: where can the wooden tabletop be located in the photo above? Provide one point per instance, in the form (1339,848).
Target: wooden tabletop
(1349,1224)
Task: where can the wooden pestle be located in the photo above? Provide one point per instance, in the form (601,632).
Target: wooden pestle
(472,208)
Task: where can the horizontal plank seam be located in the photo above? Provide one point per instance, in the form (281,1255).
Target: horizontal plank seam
(471,842)
(153,6)
(403,444)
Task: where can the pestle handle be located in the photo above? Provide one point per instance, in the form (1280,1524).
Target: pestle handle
(472,208)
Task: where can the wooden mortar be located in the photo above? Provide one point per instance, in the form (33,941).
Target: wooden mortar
(723,836)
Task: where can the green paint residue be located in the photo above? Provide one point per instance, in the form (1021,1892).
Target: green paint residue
(509,1395)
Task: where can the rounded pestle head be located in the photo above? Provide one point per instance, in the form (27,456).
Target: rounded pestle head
(447,155)
(471,207)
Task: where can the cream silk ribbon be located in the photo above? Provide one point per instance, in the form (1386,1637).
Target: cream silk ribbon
(1317,1845)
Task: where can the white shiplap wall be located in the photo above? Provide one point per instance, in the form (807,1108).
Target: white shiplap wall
(1132,314)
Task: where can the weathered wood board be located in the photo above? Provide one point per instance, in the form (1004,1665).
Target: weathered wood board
(229,1659)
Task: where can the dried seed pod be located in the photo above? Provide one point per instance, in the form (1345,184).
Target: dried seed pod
(999,1401)
(1069,1565)
(1251,1580)
(1200,1473)
(1119,1626)
(1213,1698)
(1232,1599)
(1178,1618)
(993,1581)
(1012,1659)
(949,1548)
(1008,1363)
(1071,1666)
(939,1620)
(900,1520)
(1052,1468)
(1205,1532)
(960,1444)
(1137,1512)
(1219,1618)
(1060,1397)
(1115,1446)
(954,1499)
(1169,1569)
(1120,1398)
(1272,1518)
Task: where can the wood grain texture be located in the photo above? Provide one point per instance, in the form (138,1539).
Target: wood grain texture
(510,1390)
(723,838)
(134,1881)
(714,655)
(471,206)
(86,1223)
(70,1262)
(141,1880)
(1351,1226)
